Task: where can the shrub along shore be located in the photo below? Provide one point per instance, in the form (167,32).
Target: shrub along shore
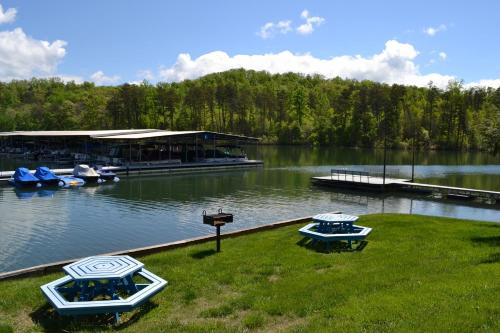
(414,273)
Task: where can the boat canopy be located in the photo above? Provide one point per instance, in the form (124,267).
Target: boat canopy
(45,174)
(23,175)
(84,170)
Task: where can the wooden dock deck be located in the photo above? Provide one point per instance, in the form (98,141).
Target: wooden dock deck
(450,190)
(359,180)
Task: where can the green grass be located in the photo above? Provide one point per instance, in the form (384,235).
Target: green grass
(415,273)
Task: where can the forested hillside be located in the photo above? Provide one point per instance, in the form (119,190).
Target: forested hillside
(286,108)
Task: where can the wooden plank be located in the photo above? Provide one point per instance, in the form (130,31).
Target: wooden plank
(432,186)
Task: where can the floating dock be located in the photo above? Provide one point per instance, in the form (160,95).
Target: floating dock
(158,169)
(359,180)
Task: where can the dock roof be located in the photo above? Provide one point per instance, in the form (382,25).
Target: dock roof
(129,134)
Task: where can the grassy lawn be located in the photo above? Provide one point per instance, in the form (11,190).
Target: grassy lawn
(415,273)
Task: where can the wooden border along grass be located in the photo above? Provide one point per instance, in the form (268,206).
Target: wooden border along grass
(56,266)
(414,274)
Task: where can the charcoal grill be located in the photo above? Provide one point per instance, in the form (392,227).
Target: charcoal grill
(217,220)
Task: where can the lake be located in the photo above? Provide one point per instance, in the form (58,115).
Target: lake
(47,226)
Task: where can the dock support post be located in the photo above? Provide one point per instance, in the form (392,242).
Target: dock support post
(413,156)
(385,162)
(385,150)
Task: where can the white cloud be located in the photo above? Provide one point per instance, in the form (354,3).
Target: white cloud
(145,74)
(432,31)
(7,16)
(270,29)
(70,78)
(494,83)
(100,79)
(23,57)
(311,22)
(443,55)
(395,64)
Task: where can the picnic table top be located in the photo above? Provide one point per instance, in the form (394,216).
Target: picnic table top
(329,217)
(103,267)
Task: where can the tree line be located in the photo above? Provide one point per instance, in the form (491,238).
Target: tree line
(281,108)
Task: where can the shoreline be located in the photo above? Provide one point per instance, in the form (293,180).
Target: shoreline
(141,251)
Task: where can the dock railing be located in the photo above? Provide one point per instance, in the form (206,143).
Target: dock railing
(389,172)
(350,175)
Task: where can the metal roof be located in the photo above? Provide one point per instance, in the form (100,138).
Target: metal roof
(145,135)
(160,133)
(74,133)
(130,134)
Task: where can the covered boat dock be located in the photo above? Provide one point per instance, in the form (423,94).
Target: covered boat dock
(131,150)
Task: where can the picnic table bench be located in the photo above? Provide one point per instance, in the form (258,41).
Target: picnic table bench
(334,227)
(102,284)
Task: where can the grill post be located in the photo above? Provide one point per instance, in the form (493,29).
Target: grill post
(218,237)
(217,221)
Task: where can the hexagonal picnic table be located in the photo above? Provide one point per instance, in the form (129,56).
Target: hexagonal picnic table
(328,223)
(334,227)
(105,277)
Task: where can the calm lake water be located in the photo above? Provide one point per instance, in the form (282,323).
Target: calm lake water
(42,227)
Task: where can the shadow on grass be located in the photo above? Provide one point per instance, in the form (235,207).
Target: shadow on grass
(51,321)
(203,254)
(491,241)
(323,247)
(492,259)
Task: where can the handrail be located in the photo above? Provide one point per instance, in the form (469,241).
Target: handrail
(351,173)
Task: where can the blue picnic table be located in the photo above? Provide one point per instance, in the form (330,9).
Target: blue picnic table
(109,279)
(333,223)
(331,227)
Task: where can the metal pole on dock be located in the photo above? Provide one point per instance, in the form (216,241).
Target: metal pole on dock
(385,150)
(385,157)
(413,155)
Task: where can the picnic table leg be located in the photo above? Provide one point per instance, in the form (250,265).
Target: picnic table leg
(129,284)
(84,291)
(117,317)
(114,294)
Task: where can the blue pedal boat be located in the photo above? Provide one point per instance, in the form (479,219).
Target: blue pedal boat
(47,177)
(70,181)
(23,178)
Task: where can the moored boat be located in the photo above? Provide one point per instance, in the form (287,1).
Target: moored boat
(47,177)
(107,175)
(70,181)
(23,178)
(88,174)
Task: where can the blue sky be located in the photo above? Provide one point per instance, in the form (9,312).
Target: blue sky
(111,42)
